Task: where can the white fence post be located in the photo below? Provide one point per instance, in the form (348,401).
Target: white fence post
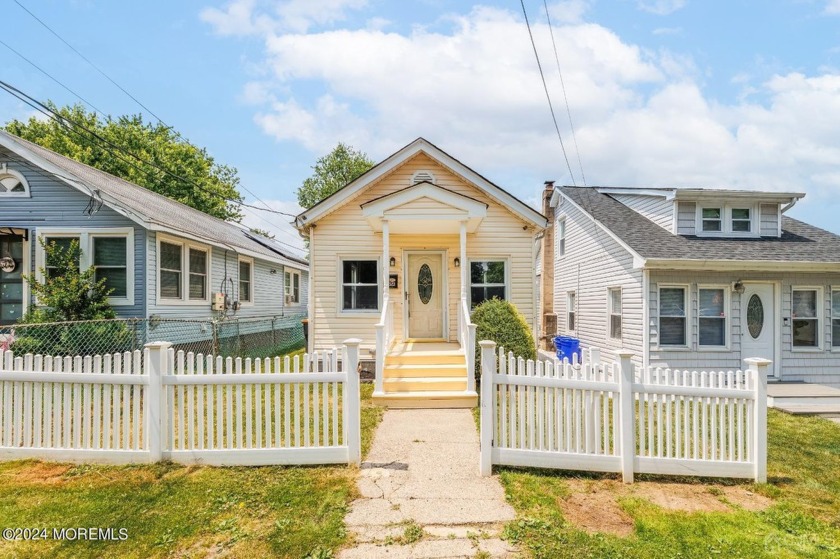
(153,399)
(627,415)
(352,412)
(594,356)
(470,354)
(758,367)
(488,369)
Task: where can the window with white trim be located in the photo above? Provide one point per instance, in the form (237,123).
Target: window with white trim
(292,287)
(741,220)
(711,319)
(712,220)
(716,219)
(805,306)
(835,318)
(110,251)
(561,238)
(246,280)
(360,285)
(570,311)
(614,304)
(12,183)
(488,280)
(673,306)
(183,271)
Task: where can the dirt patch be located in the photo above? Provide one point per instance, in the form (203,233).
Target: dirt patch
(681,497)
(746,499)
(41,473)
(594,508)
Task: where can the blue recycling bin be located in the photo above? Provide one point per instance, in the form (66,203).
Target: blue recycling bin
(568,346)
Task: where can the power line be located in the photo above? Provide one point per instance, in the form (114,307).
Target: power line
(563,86)
(121,88)
(63,120)
(547,96)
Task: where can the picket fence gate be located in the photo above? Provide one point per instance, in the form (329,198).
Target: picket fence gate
(154,404)
(617,418)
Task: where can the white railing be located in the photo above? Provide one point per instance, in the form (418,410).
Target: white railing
(155,404)
(612,418)
(466,337)
(384,341)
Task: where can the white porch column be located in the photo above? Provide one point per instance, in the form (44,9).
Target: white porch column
(386,260)
(463,259)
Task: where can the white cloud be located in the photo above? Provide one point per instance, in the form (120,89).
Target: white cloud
(661,7)
(472,87)
(254,17)
(832,7)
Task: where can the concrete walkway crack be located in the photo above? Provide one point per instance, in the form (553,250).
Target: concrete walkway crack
(421,495)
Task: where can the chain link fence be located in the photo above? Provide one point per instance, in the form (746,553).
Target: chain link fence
(236,337)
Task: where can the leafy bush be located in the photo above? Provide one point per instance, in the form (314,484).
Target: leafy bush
(501,322)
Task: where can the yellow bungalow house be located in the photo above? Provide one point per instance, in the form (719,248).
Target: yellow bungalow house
(398,258)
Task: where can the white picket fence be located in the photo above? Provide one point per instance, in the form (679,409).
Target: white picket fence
(613,418)
(159,404)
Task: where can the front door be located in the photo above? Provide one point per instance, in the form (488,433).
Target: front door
(424,288)
(11,279)
(758,325)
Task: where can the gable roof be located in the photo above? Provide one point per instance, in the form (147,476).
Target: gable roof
(149,209)
(344,194)
(799,243)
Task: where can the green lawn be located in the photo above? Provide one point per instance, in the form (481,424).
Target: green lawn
(183,511)
(802,519)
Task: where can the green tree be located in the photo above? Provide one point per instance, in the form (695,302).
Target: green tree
(331,172)
(217,195)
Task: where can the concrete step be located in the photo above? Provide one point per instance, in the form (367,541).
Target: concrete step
(426,358)
(417,371)
(426,384)
(810,408)
(822,401)
(427,399)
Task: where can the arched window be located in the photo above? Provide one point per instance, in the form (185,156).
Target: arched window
(12,183)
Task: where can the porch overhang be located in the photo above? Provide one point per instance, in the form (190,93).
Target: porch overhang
(424,208)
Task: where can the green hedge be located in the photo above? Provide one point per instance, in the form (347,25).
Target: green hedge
(501,322)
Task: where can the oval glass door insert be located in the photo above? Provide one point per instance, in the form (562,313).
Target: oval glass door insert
(425,284)
(755,316)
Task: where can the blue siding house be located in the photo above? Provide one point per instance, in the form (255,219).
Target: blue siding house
(161,258)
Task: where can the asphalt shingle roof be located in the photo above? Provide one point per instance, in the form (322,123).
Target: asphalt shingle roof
(158,209)
(799,242)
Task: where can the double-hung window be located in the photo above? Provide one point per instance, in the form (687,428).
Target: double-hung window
(741,220)
(183,271)
(712,220)
(805,305)
(561,237)
(614,303)
(109,251)
(570,311)
(835,318)
(292,287)
(488,280)
(673,305)
(711,320)
(246,281)
(359,285)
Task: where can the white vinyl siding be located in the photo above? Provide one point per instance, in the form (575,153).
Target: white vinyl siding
(769,226)
(806,317)
(345,231)
(656,208)
(686,218)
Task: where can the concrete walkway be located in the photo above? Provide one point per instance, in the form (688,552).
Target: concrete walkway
(422,473)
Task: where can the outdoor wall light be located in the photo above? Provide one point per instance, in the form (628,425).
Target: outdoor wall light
(457,262)
(738,287)
(393,261)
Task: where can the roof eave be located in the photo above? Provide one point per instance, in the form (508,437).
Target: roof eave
(740,265)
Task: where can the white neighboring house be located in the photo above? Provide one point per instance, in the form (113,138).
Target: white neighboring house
(696,278)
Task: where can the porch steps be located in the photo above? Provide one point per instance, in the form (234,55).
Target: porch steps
(801,398)
(425,375)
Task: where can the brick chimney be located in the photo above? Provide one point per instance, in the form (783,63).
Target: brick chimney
(549,318)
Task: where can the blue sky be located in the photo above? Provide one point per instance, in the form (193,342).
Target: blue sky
(662,92)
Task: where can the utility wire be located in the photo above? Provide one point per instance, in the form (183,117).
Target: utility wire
(121,88)
(547,96)
(565,97)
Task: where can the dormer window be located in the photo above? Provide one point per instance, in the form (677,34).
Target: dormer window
(12,183)
(726,220)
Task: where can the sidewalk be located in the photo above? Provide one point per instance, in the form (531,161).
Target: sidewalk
(422,473)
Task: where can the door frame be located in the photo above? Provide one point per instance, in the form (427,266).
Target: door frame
(26,263)
(444,302)
(777,321)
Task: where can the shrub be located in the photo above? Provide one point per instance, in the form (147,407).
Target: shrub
(501,322)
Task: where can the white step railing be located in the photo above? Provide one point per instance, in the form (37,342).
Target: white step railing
(384,341)
(613,418)
(466,337)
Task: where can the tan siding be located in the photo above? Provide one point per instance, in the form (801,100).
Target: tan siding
(769,220)
(594,262)
(345,233)
(686,218)
(655,208)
